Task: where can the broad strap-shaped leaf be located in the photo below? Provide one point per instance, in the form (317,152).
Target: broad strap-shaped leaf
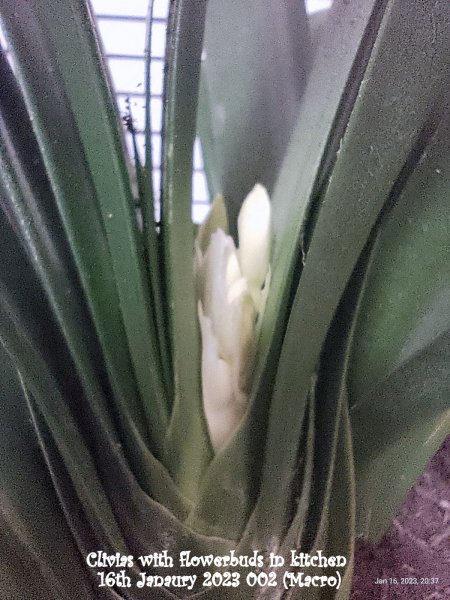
(110,178)
(301,494)
(251,85)
(28,200)
(89,466)
(80,149)
(400,369)
(33,526)
(39,377)
(188,449)
(86,458)
(336,535)
(330,485)
(102,501)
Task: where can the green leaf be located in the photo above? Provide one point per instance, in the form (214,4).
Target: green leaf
(152,240)
(83,451)
(100,496)
(400,378)
(251,83)
(188,449)
(50,258)
(25,348)
(336,533)
(83,155)
(87,458)
(42,356)
(110,178)
(33,527)
(29,202)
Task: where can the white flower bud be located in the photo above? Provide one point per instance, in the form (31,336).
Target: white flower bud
(254,229)
(223,409)
(216,219)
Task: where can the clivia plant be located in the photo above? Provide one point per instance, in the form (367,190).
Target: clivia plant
(273,382)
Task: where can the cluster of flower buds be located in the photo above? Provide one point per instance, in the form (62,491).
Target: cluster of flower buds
(231,286)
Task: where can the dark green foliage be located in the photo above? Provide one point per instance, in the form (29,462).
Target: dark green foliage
(104,442)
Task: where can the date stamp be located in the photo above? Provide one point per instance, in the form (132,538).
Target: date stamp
(407,581)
